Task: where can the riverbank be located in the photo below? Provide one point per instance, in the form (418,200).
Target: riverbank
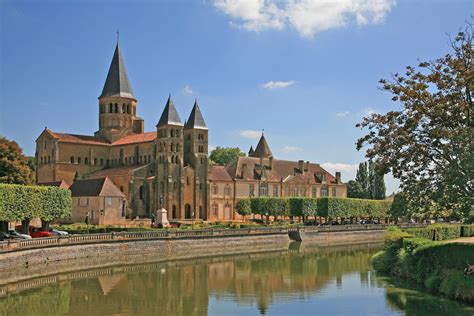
(436,265)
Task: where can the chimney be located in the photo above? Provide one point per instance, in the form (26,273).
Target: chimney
(244,171)
(338,177)
(301,165)
(270,162)
(307,166)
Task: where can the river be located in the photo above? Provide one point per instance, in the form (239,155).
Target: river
(304,280)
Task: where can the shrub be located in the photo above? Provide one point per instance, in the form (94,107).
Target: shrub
(243,207)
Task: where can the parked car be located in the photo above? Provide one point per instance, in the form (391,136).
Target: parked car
(15,233)
(59,232)
(36,232)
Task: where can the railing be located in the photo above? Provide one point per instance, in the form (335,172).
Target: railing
(19,244)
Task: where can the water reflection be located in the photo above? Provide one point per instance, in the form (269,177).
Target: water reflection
(306,279)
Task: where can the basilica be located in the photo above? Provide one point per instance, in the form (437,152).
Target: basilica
(169,167)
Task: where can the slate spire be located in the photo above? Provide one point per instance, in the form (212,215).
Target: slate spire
(195,119)
(117,83)
(262,150)
(170,115)
(251,152)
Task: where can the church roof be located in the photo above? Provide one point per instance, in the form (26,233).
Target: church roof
(117,83)
(170,115)
(263,150)
(95,187)
(195,119)
(92,140)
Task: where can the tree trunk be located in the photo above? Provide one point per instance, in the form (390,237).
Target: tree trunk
(25,226)
(45,225)
(3,226)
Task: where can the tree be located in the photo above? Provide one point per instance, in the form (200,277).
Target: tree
(243,207)
(362,177)
(429,142)
(14,166)
(354,189)
(224,155)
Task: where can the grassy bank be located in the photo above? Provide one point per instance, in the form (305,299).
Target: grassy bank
(437,265)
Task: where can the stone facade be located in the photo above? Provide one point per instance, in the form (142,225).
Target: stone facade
(169,167)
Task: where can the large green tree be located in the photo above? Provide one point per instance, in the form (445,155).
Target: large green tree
(368,184)
(224,155)
(14,167)
(428,142)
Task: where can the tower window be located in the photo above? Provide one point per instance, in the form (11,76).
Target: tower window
(86,160)
(78,159)
(116,108)
(171,133)
(101,162)
(111,108)
(124,108)
(72,159)
(177,133)
(128,108)
(141,192)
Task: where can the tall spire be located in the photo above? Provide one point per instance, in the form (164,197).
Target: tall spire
(195,119)
(262,150)
(117,84)
(170,115)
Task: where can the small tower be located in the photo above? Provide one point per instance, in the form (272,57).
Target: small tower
(169,160)
(117,104)
(262,150)
(195,155)
(251,152)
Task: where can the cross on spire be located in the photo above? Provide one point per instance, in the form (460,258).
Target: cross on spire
(263,131)
(118,35)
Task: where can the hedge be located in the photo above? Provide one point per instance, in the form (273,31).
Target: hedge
(441,232)
(20,202)
(435,265)
(324,206)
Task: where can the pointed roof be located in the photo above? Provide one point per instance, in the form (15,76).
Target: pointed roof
(117,84)
(170,115)
(262,150)
(251,151)
(95,187)
(195,119)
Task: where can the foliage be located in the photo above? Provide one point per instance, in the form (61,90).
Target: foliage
(243,207)
(435,265)
(437,232)
(14,166)
(346,207)
(429,143)
(399,206)
(20,202)
(224,155)
(270,206)
(368,184)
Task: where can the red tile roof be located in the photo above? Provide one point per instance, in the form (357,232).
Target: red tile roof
(95,187)
(61,184)
(92,140)
(219,173)
(119,171)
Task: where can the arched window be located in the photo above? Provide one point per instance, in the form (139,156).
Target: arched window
(177,133)
(263,189)
(172,147)
(295,191)
(177,148)
(324,191)
(121,188)
(101,162)
(72,159)
(128,108)
(215,209)
(142,192)
(41,159)
(78,159)
(116,108)
(176,160)
(174,211)
(111,108)
(175,185)
(215,189)
(49,159)
(86,161)
(172,133)
(124,108)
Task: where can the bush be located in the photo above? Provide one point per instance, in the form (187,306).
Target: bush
(437,232)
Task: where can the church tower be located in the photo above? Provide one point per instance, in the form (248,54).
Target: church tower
(117,104)
(195,155)
(169,159)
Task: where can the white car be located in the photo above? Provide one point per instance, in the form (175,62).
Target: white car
(15,233)
(59,232)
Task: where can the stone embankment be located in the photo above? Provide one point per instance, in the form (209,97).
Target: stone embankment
(175,244)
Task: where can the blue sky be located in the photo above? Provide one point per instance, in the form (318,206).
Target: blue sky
(303,70)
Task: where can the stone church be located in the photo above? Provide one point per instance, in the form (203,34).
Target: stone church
(170,166)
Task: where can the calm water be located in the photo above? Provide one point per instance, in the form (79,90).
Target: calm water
(305,280)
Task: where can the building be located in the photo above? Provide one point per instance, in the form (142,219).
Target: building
(99,200)
(169,167)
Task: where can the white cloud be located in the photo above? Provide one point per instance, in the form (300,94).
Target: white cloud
(291,149)
(187,89)
(250,134)
(348,171)
(343,114)
(211,148)
(277,84)
(307,17)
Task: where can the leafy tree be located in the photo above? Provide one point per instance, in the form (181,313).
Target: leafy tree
(368,184)
(362,177)
(243,207)
(429,142)
(224,155)
(354,189)
(14,166)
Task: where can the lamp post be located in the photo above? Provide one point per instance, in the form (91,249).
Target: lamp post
(266,218)
(192,220)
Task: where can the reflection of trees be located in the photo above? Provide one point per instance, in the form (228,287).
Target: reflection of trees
(417,303)
(52,299)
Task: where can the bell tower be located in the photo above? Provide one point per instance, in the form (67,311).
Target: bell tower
(196,156)
(169,160)
(117,104)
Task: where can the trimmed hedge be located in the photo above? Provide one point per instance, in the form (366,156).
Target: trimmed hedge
(441,232)
(324,206)
(21,202)
(435,265)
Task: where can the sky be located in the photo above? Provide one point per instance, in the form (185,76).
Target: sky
(305,71)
